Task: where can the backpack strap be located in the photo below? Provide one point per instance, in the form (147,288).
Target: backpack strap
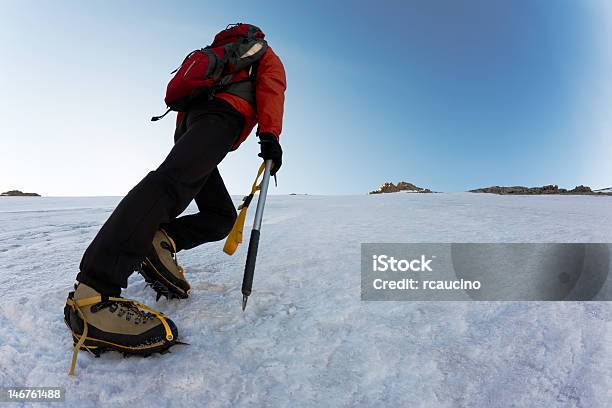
(244,89)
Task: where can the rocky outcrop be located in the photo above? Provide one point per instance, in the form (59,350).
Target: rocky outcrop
(581,189)
(386,188)
(17,193)
(401,186)
(548,189)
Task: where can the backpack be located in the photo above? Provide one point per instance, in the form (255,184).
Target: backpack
(219,66)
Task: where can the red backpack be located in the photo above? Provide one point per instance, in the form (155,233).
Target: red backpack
(219,65)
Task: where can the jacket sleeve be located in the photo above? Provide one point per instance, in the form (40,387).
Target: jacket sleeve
(270,93)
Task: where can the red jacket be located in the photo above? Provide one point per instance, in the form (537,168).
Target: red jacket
(270,85)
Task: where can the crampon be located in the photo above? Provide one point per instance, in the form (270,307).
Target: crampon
(99,324)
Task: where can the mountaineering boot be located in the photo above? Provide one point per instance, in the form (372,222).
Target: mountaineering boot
(100,323)
(68,307)
(161,269)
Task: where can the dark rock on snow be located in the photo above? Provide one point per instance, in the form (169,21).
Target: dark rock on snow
(548,189)
(17,193)
(401,186)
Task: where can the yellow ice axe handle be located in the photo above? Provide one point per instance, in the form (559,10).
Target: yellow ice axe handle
(235,236)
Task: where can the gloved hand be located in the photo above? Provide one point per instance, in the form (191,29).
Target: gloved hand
(271,150)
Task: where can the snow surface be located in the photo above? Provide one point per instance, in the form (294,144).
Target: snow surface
(306,339)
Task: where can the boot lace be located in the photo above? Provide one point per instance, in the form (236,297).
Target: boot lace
(127,310)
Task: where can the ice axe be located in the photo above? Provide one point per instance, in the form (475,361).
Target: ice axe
(249,267)
(235,236)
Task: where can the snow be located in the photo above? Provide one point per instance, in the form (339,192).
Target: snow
(306,338)
(605,190)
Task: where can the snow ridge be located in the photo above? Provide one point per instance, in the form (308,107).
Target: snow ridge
(306,339)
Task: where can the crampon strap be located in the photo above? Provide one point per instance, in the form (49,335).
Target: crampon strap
(78,304)
(235,236)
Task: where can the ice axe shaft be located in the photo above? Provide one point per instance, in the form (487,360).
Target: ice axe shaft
(249,267)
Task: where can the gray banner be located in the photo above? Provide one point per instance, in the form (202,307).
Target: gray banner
(32,394)
(563,271)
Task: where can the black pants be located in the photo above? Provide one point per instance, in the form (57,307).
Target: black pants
(202,140)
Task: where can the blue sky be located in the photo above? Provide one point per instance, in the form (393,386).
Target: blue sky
(450,95)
